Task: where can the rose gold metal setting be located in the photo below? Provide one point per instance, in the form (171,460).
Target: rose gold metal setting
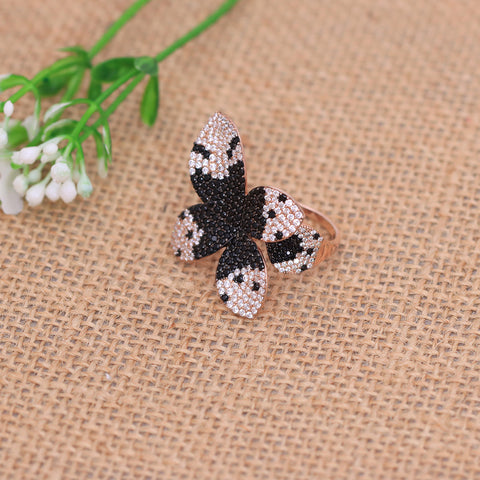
(329,244)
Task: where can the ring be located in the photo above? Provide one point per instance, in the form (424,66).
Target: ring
(232,219)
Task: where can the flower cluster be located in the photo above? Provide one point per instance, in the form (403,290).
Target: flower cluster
(37,171)
(46,159)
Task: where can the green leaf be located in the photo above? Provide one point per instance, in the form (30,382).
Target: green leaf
(78,49)
(150,102)
(17,135)
(79,52)
(94,89)
(147,65)
(9,81)
(51,85)
(112,69)
(74,83)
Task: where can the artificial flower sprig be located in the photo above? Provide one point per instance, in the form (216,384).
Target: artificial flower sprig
(43,155)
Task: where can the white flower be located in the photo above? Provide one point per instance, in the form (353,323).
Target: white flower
(8,108)
(53,191)
(12,202)
(68,192)
(60,171)
(50,148)
(28,155)
(35,175)
(20,184)
(3,138)
(84,186)
(35,194)
(15,158)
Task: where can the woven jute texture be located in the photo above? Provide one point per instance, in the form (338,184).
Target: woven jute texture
(119,361)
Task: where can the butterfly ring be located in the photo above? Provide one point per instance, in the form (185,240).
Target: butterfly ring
(231,218)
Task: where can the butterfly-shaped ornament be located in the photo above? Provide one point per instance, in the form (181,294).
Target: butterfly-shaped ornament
(230,218)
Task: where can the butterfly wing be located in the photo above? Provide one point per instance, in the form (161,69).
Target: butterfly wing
(271,215)
(241,277)
(297,253)
(199,231)
(216,162)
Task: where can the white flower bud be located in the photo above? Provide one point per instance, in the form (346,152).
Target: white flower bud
(35,194)
(3,138)
(50,148)
(102,169)
(60,172)
(34,176)
(76,176)
(53,191)
(68,192)
(84,186)
(8,108)
(28,155)
(20,184)
(16,158)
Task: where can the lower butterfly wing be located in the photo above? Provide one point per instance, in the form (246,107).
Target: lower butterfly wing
(271,215)
(216,162)
(297,253)
(198,232)
(241,277)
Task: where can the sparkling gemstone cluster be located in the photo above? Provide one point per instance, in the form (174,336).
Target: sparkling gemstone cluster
(298,253)
(283,216)
(212,151)
(186,235)
(243,290)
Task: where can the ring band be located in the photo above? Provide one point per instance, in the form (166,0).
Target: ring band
(329,245)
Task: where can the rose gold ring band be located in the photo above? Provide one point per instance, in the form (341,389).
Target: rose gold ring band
(329,244)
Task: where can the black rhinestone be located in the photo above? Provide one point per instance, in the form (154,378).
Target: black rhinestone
(271,213)
(316,236)
(303,268)
(182,216)
(238,278)
(255,286)
(309,251)
(282,198)
(224,297)
(189,234)
(178,253)
(279,235)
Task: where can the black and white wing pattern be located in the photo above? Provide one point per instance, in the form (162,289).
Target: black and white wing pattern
(297,253)
(271,215)
(199,231)
(241,277)
(216,162)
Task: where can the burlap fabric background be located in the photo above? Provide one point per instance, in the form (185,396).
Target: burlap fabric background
(119,361)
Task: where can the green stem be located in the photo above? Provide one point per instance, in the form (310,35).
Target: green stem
(180,42)
(197,30)
(127,15)
(116,103)
(64,63)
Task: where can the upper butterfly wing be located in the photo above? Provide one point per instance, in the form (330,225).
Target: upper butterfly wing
(271,215)
(241,277)
(298,252)
(216,162)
